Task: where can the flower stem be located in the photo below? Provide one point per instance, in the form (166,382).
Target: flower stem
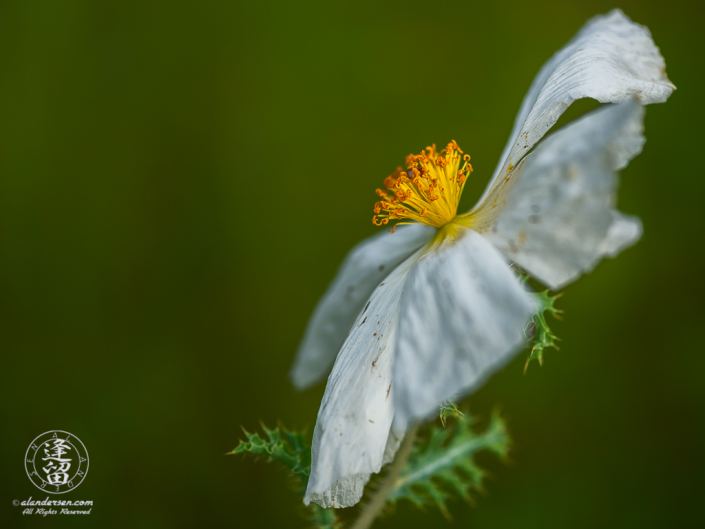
(374,507)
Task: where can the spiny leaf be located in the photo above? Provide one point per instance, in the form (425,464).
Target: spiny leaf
(281,445)
(291,450)
(444,467)
(539,330)
(449,409)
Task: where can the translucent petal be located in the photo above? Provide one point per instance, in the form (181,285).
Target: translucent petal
(463,316)
(610,59)
(363,269)
(354,421)
(558,221)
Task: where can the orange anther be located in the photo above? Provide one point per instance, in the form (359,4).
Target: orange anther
(414,193)
(453,146)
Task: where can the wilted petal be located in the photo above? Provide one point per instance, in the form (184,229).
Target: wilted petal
(558,220)
(363,269)
(611,59)
(354,421)
(463,316)
(345,492)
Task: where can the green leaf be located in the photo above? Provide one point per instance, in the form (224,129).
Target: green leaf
(448,409)
(444,466)
(281,445)
(539,330)
(291,450)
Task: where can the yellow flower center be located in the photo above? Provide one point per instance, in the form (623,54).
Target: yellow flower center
(427,191)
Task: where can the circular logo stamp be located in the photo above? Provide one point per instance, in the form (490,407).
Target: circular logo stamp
(56,462)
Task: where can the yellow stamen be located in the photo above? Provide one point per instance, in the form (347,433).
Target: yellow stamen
(428,190)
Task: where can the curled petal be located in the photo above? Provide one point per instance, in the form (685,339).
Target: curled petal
(611,59)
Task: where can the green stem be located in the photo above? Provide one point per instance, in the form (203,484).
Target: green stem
(379,499)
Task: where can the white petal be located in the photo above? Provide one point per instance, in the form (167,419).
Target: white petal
(354,421)
(558,220)
(363,269)
(343,493)
(463,316)
(610,59)
(624,231)
(396,436)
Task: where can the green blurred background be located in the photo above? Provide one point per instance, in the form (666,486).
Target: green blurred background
(179,182)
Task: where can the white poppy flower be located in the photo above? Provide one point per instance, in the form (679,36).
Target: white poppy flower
(431,311)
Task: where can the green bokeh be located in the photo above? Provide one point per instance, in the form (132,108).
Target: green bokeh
(180,181)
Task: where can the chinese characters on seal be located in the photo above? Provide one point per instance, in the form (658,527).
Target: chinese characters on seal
(56,462)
